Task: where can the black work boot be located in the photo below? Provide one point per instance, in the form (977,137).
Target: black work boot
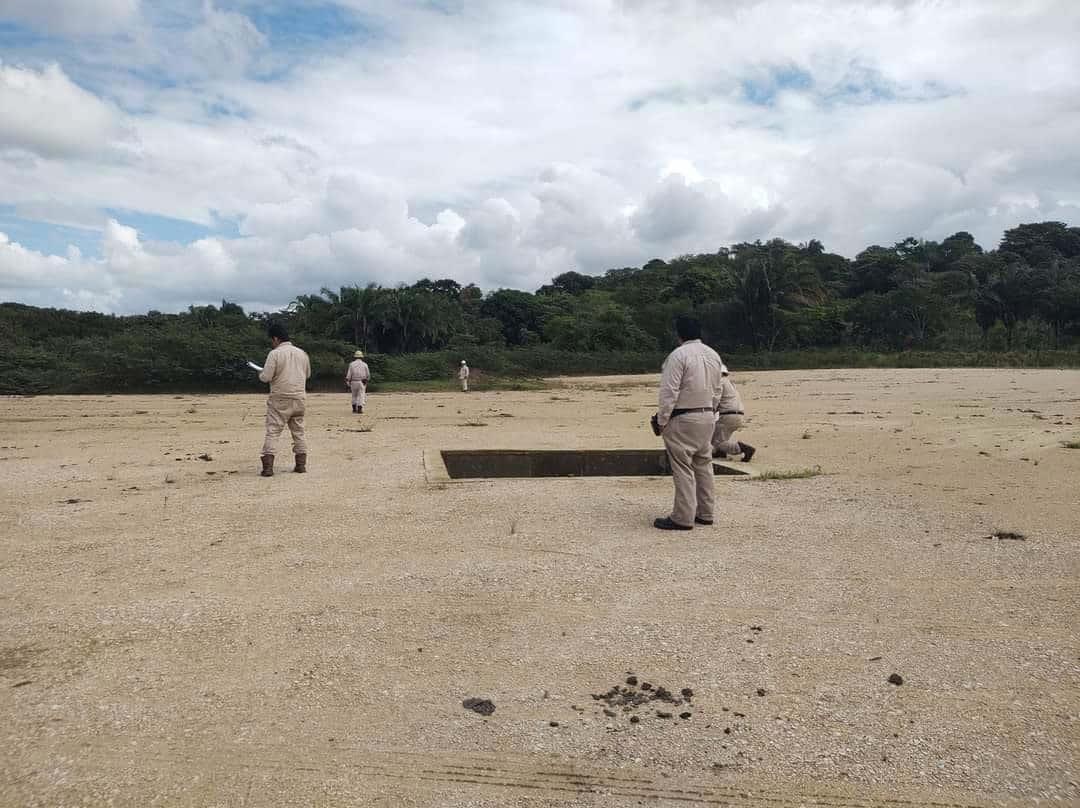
(268,466)
(301,464)
(747,451)
(354,409)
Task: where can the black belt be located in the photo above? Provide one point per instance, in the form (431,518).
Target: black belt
(731,412)
(693,409)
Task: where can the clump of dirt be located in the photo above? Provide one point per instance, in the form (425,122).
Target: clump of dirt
(1007,535)
(633,695)
(481,706)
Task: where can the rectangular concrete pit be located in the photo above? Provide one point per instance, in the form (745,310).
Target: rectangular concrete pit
(522,463)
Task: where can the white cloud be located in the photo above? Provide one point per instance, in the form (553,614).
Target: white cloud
(48,114)
(224,43)
(506,142)
(72,17)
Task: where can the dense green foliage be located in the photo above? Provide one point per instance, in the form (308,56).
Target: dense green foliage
(771,304)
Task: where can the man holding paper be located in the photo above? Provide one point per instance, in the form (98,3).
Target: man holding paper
(287,370)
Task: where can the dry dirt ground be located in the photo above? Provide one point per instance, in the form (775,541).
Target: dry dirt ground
(180,631)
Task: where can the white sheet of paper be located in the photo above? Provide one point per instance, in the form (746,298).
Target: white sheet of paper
(253,366)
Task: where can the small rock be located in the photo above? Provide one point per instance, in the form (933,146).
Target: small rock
(481,706)
(684,716)
(761,691)
(896,679)
(646,686)
(609,713)
(662,714)
(553,723)
(205,457)
(631,680)
(634,719)
(687,693)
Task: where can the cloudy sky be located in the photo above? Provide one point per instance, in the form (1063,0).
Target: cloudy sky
(158,153)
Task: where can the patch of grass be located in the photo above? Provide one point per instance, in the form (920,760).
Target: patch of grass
(794,474)
(1071,444)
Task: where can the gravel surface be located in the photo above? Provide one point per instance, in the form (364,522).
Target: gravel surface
(176,630)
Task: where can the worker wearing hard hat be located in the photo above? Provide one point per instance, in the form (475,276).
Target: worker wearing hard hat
(356,379)
(463,376)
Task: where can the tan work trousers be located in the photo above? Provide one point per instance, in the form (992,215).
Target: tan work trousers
(464,385)
(282,411)
(359,393)
(725,428)
(688,440)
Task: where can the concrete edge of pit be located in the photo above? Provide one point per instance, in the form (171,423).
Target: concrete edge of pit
(741,471)
(435,472)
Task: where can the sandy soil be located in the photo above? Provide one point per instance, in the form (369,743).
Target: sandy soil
(177,631)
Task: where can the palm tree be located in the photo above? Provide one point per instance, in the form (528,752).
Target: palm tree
(355,310)
(313,314)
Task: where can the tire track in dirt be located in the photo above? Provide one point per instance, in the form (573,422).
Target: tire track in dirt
(532,775)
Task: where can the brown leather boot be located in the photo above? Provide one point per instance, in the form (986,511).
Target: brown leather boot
(268,466)
(301,464)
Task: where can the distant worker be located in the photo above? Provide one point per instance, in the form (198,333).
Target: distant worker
(689,392)
(729,418)
(463,376)
(356,379)
(287,370)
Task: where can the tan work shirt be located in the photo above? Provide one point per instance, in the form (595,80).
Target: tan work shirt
(287,370)
(358,372)
(690,379)
(729,397)
(463,373)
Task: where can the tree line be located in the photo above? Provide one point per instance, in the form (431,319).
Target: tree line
(760,299)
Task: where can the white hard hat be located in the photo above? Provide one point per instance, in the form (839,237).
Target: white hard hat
(463,361)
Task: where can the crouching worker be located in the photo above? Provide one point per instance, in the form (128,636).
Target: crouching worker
(729,418)
(287,370)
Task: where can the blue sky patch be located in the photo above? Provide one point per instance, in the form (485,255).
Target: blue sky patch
(304,26)
(762,90)
(152,227)
(46,237)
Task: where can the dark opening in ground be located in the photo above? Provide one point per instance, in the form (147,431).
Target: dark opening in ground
(469,464)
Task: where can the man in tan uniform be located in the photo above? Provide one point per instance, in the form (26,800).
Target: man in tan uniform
(356,380)
(729,418)
(463,377)
(689,392)
(287,370)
